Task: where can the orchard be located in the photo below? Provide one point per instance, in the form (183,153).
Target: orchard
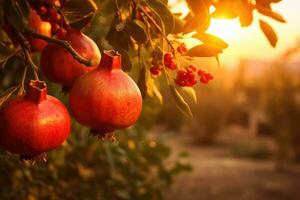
(106,59)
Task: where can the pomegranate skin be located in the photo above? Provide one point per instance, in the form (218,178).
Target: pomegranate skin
(59,66)
(36,24)
(106,98)
(33,123)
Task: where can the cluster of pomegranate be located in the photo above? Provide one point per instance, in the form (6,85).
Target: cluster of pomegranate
(102,97)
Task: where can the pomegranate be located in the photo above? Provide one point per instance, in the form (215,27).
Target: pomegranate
(36,24)
(34,123)
(107,98)
(59,66)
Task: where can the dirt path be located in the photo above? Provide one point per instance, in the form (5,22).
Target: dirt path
(220,175)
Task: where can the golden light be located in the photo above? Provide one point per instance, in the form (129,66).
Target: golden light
(224,28)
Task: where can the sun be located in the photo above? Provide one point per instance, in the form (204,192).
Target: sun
(224,28)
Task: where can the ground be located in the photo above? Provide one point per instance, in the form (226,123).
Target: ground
(220,174)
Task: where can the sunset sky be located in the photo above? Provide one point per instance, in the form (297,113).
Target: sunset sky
(250,42)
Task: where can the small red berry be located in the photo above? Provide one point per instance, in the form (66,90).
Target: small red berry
(201,72)
(168,57)
(171,65)
(182,48)
(192,68)
(209,76)
(191,82)
(204,80)
(42,10)
(182,83)
(185,78)
(61,33)
(53,14)
(155,70)
(54,28)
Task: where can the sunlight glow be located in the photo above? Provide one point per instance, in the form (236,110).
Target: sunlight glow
(224,28)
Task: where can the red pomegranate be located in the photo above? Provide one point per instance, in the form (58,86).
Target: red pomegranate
(36,24)
(107,98)
(34,123)
(59,66)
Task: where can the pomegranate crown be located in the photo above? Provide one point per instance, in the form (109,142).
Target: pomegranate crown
(37,91)
(110,60)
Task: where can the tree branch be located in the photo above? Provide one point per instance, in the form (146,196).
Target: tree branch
(157,27)
(64,44)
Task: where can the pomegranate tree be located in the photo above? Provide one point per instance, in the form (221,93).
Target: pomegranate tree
(106,99)
(33,123)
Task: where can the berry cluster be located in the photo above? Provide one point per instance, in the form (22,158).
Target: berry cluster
(186,77)
(205,77)
(182,48)
(156,69)
(170,61)
(48,12)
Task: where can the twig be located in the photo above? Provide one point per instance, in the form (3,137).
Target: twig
(118,10)
(22,84)
(157,27)
(65,44)
(26,48)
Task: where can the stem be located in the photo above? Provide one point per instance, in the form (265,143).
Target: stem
(65,44)
(157,27)
(22,84)
(118,10)
(26,47)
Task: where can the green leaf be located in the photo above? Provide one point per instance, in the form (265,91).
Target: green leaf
(163,12)
(211,40)
(118,39)
(200,24)
(82,22)
(178,25)
(180,102)
(126,60)
(7,94)
(78,12)
(137,30)
(204,50)
(190,92)
(269,32)
(13,16)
